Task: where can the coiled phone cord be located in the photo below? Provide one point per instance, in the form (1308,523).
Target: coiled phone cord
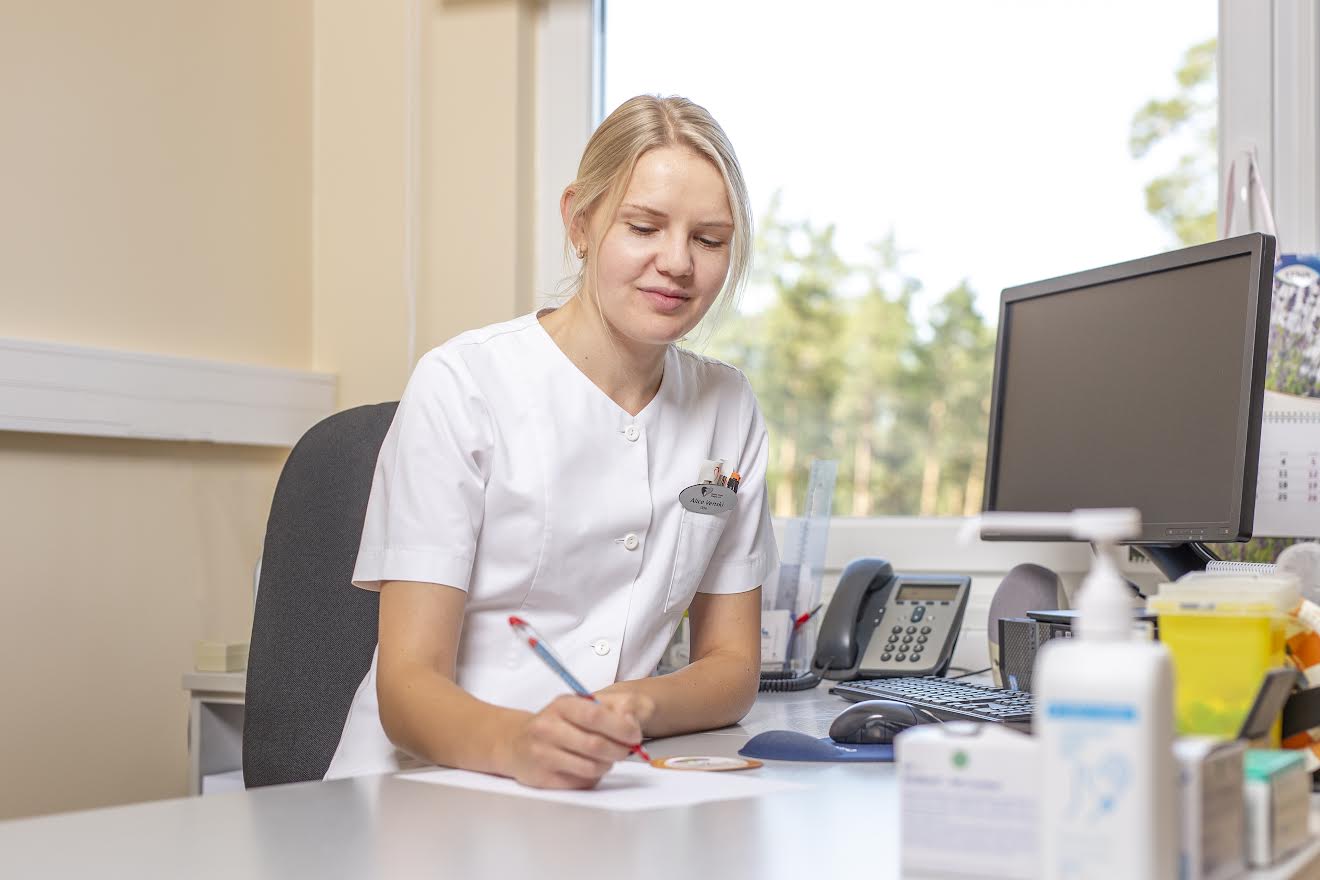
(783,682)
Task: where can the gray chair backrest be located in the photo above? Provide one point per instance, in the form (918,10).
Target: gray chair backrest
(313,632)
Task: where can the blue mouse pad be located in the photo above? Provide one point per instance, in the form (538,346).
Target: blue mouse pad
(789,745)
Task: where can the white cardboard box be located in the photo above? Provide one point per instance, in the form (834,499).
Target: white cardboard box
(977,784)
(1213,829)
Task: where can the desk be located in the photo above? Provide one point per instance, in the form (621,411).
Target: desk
(842,826)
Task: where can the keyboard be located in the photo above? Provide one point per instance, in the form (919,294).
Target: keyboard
(945,699)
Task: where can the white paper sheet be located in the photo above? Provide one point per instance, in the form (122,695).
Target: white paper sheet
(631,785)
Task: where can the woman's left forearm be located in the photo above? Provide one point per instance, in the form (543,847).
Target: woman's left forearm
(714,691)
(719,686)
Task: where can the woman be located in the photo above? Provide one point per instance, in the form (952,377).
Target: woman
(534,468)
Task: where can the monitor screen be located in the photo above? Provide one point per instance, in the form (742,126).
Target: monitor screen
(1136,385)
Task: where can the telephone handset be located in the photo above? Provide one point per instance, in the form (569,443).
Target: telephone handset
(881,624)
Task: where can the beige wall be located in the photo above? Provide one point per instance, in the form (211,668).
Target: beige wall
(220,180)
(475,115)
(156,197)
(157,193)
(119,554)
(360,327)
(478,148)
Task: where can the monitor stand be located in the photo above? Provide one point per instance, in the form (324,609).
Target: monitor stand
(1176,560)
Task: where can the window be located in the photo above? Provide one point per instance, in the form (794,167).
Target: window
(907,162)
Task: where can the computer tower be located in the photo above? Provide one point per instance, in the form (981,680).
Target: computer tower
(1019,640)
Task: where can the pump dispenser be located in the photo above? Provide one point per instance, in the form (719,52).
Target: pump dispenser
(1104,719)
(1105,603)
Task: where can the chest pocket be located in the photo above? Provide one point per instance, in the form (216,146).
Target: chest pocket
(698,533)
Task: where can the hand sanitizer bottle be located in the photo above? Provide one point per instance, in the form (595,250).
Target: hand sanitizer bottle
(1104,720)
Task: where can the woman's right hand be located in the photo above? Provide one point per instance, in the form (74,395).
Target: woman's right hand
(571,743)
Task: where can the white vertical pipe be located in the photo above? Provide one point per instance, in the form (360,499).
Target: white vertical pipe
(1246,87)
(566,58)
(1297,125)
(412,155)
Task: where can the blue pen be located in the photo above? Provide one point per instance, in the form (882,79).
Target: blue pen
(538,645)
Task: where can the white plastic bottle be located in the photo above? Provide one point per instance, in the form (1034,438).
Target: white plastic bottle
(1104,720)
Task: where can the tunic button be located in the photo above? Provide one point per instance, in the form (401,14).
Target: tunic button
(632,432)
(631,541)
(601,647)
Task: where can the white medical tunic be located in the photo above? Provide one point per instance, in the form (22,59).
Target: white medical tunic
(507,473)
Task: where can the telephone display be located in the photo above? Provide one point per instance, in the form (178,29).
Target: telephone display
(881,623)
(923,592)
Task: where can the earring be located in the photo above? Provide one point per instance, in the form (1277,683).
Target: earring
(582,252)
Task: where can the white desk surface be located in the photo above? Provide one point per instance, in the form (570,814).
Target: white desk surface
(843,825)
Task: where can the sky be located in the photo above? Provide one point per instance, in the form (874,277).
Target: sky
(991,136)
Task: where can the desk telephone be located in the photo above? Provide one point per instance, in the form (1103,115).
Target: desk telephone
(882,624)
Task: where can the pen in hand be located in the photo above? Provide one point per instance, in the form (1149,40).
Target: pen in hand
(524,630)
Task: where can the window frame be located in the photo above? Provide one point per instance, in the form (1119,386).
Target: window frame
(1269,100)
(569,95)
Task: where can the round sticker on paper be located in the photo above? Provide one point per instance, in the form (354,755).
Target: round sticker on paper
(709,498)
(705,762)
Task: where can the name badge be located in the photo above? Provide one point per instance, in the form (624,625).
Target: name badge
(709,498)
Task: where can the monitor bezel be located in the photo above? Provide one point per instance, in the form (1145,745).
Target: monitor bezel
(1261,249)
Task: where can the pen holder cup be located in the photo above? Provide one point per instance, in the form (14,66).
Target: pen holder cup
(801,647)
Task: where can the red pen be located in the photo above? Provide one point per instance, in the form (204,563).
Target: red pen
(797,624)
(524,630)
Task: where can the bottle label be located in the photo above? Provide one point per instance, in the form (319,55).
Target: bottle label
(1093,712)
(1096,802)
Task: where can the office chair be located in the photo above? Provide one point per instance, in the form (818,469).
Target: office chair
(313,632)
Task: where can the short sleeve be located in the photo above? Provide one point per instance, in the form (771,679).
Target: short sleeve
(746,554)
(427,497)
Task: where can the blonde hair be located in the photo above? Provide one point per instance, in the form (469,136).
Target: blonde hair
(637,126)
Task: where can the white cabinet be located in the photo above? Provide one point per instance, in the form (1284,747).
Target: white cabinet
(215,728)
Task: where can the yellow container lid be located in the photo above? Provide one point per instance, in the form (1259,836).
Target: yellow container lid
(1238,594)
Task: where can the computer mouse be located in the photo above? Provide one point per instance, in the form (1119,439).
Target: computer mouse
(875,721)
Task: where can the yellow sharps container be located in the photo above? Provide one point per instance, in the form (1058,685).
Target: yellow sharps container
(1224,632)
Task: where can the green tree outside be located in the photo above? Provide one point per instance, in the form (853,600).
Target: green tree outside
(846,376)
(1185,197)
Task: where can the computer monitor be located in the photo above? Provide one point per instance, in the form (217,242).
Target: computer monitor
(1136,385)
